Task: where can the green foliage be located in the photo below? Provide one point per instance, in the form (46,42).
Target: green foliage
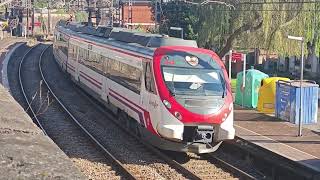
(81,16)
(213,25)
(39,4)
(178,14)
(61,11)
(233,85)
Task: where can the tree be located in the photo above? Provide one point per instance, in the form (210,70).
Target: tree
(262,25)
(179,14)
(213,26)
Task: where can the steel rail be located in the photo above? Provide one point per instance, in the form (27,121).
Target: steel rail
(230,167)
(23,90)
(174,164)
(163,156)
(166,158)
(115,160)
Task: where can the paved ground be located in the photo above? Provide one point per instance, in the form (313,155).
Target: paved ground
(279,136)
(25,152)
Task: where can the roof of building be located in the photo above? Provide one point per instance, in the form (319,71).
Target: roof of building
(135,1)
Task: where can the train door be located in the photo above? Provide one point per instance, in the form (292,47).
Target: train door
(76,74)
(150,99)
(105,89)
(69,50)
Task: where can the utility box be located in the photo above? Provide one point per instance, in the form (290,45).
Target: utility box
(288,101)
(249,94)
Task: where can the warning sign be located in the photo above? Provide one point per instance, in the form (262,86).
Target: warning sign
(236,57)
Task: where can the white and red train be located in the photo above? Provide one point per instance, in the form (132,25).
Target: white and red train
(177,96)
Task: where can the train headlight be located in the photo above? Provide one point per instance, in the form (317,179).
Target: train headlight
(167,104)
(178,115)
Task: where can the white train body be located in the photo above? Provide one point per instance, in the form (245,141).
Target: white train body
(128,78)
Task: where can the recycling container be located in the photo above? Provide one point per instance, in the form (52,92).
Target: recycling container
(288,101)
(267,94)
(249,94)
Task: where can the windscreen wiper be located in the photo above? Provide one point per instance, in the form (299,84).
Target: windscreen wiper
(171,92)
(174,89)
(223,85)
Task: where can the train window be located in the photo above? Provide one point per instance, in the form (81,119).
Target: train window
(99,66)
(149,80)
(75,52)
(91,60)
(71,52)
(95,62)
(83,56)
(124,74)
(105,62)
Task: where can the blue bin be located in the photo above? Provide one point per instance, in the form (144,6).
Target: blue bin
(288,101)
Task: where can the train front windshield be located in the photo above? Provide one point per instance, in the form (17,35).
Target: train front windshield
(192,75)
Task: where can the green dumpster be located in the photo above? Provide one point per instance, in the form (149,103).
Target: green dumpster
(251,90)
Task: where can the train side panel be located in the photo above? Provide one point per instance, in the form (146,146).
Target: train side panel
(109,88)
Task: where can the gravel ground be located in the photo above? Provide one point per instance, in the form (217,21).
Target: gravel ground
(246,165)
(75,144)
(200,166)
(13,78)
(59,127)
(130,152)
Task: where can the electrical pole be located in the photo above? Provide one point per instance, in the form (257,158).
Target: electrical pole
(27,19)
(156,13)
(111,13)
(49,18)
(32,17)
(130,13)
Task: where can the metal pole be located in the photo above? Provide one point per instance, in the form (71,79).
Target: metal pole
(32,21)
(230,59)
(301,79)
(49,18)
(40,90)
(156,13)
(243,78)
(27,22)
(111,14)
(181,33)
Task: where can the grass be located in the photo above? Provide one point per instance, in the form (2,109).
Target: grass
(233,85)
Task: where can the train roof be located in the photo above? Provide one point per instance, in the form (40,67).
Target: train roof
(125,38)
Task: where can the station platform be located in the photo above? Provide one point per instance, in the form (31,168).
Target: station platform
(7,45)
(280,137)
(25,152)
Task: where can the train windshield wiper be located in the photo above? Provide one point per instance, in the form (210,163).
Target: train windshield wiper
(173,89)
(223,82)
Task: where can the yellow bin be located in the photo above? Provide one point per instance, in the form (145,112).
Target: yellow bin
(267,94)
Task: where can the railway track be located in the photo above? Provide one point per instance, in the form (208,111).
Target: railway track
(196,168)
(53,120)
(57,118)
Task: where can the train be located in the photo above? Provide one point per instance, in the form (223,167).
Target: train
(168,91)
